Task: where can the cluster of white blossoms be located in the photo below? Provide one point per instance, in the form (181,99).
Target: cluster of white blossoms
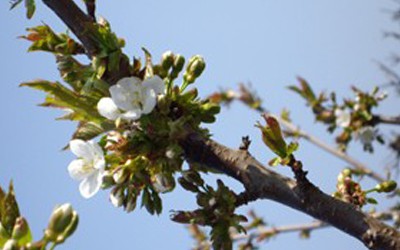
(130,99)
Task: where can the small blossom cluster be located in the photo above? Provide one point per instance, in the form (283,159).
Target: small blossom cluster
(130,99)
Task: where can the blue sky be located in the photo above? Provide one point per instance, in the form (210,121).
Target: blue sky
(333,44)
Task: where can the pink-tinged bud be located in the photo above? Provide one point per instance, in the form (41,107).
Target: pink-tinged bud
(20,229)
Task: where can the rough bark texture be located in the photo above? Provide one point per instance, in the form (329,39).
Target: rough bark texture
(262,183)
(259,182)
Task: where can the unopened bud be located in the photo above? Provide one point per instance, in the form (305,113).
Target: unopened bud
(161,183)
(60,220)
(386,186)
(130,205)
(119,175)
(167,60)
(20,229)
(177,67)
(72,225)
(108,180)
(343,175)
(194,68)
(117,197)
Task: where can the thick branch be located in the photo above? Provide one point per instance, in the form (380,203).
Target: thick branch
(259,182)
(262,183)
(76,20)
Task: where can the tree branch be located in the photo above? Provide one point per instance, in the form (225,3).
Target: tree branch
(266,232)
(76,20)
(394,120)
(324,146)
(262,183)
(332,150)
(259,182)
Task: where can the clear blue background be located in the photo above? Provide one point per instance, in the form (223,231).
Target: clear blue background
(333,44)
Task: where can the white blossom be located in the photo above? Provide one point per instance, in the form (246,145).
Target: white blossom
(343,118)
(88,168)
(366,135)
(131,97)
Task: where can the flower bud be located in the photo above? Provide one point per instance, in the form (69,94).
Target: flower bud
(11,245)
(20,229)
(120,175)
(72,225)
(343,175)
(386,186)
(177,67)
(59,221)
(167,60)
(108,180)
(162,184)
(117,197)
(131,204)
(194,68)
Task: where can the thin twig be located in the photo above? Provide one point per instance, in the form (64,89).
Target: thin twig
(395,120)
(319,143)
(270,231)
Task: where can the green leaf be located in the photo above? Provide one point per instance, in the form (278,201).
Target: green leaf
(157,203)
(292,147)
(87,131)
(73,72)
(43,38)
(4,236)
(61,97)
(275,161)
(372,201)
(10,210)
(149,64)
(272,136)
(30,8)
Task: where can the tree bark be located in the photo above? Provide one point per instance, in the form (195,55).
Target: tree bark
(259,182)
(262,183)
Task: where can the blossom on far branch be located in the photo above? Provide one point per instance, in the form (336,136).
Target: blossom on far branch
(88,168)
(343,118)
(131,97)
(366,135)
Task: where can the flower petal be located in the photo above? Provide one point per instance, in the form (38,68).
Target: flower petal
(81,149)
(75,170)
(155,83)
(126,92)
(91,185)
(108,109)
(343,118)
(149,101)
(97,152)
(132,115)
